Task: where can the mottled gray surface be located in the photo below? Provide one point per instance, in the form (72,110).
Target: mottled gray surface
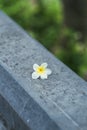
(63,96)
(2,127)
(4,19)
(17,108)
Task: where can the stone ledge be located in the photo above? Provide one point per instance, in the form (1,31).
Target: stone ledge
(18,108)
(2,127)
(63,96)
(4,19)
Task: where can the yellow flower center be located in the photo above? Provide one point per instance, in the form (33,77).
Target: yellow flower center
(40,70)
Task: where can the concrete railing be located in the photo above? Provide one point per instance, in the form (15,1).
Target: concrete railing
(58,103)
(3,125)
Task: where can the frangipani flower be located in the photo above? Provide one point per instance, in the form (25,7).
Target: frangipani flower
(41,71)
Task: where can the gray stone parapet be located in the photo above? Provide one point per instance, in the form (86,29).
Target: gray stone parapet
(58,103)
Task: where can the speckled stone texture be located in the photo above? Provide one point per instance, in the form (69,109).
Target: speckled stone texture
(62,97)
(18,110)
(2,127)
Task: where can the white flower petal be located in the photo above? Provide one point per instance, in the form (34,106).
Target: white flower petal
(35,75)
(44,65)
(48,71)
(35,66)
(43,76)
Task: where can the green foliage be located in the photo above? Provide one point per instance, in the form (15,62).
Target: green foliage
(73,53)
(21,11)
(43,19)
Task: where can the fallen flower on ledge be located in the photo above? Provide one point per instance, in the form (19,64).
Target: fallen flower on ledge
(41,71)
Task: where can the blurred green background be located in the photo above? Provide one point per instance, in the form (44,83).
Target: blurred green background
(58,24)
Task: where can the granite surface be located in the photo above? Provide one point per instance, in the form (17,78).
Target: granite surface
(2,127)
(63,96)
(18,109)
